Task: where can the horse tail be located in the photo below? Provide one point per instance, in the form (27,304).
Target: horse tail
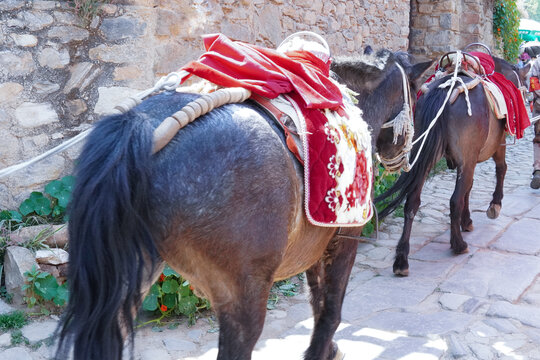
(426,110)
(110,236)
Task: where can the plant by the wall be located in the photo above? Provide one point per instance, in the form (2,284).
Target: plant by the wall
(505,28)
(41,287)
(173,295)
(86,9)
(51,205)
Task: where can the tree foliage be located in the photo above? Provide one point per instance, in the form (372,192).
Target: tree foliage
(505,28)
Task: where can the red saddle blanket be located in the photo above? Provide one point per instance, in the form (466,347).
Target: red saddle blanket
(331,199)
(518,118)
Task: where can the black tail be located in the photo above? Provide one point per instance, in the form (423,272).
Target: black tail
(425,111)
(110,238)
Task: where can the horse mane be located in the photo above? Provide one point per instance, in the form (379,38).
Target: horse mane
(364,71)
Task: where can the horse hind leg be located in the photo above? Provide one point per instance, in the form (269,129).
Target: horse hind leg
(466,221)
(241,322)
(495,206)
(464,181)
(328,280)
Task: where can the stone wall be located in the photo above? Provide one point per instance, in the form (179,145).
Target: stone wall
(439,26)
(58,75)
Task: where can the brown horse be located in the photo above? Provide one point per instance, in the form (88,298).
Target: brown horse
(464,141)
(222,204)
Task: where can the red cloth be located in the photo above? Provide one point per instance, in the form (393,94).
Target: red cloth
(266,72)
(518,118)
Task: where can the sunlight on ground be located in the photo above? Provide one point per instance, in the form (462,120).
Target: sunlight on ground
(501,347)
(372,344)
(419,356)
(380,334)
(369,351)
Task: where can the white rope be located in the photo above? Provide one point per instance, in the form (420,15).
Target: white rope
(67,144)
(451,82)
(403,125)
(168,82)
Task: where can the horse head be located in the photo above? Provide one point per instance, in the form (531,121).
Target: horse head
(385,83)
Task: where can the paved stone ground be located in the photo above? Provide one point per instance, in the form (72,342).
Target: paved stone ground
(481,305)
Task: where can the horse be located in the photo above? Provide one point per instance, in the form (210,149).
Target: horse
(222,204)
(463,141)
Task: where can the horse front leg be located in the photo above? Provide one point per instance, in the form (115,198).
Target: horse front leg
(328,280)
(500,170)
(464,181)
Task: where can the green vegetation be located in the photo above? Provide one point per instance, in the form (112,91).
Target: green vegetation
(505,28)
(86,9)
(13,320)
(41,287)
(173,295)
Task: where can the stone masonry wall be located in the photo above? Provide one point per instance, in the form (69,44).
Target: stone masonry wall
(439,26)
(58,75)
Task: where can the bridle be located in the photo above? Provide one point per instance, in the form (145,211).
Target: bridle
(403,124)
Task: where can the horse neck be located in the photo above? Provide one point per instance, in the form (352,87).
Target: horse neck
(505,68)
(383,102)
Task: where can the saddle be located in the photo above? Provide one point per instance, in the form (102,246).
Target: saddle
(470,66)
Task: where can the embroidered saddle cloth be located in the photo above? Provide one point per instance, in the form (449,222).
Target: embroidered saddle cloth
(335,140)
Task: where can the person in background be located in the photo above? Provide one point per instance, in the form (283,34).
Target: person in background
(523,60)
(535,89)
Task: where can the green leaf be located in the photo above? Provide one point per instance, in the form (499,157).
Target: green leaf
(63,198)
(15,215)
(169,300)
(48,287)
(26,207)
(43,206)
(58,210)
(150,302)
(62,295)
(169,286)
(35,195)
(54,188)
(5,215)
(188,305)
(168,271)
(154,290)
(69,182)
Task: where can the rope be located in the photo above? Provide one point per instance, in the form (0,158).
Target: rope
(168,82)
(172,124)
(67,144)
(451,82)
(403,125)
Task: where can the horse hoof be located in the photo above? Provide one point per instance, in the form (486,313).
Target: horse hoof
(535,182)
(462,250)
(401,266)
(493,211)
(339,355)
(468,228)
(401,272)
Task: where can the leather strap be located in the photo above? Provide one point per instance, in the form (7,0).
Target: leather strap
(279,117)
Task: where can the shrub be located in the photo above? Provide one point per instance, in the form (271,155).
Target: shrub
(173,295)
(505,28)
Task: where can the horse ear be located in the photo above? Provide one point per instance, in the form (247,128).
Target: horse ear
(524,71)
(368,50)
(417,70)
